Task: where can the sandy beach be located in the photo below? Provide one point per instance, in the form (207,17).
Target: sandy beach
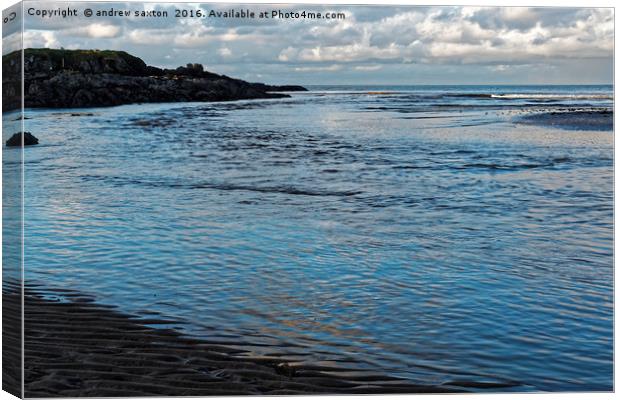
(80,348)
(11,339)
(573,119)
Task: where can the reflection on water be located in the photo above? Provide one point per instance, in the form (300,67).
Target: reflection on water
(424,237)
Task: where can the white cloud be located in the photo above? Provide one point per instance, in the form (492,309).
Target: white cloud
(287,54)
(330,68)
(370,40)
(224,52)
(367,67)
(102,31)
(455,35)
(40,39)
(500,68)
(148,36)
(11,43)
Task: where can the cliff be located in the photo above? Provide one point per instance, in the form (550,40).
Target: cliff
(94,78)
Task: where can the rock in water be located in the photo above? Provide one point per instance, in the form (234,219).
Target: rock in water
(16,140)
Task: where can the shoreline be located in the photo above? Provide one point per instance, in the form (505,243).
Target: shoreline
(80,348)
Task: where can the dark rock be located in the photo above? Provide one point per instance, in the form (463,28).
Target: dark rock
(288,88)
(93,78)
(16,140)
(281,88)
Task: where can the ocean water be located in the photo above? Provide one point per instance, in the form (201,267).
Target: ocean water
(420,232)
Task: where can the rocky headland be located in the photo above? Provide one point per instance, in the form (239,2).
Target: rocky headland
(94,78)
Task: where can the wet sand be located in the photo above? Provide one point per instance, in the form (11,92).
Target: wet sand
(11,340)
(595,120)
(77,348)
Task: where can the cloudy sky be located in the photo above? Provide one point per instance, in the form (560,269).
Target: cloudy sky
(372,45)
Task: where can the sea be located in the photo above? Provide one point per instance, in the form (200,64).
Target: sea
(446,235)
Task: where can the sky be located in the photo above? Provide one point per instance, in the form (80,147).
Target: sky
(371,45)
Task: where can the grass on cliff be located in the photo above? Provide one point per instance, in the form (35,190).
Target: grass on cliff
(75,57)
